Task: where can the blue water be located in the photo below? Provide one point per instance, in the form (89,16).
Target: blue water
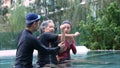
(92,59)
(98,59)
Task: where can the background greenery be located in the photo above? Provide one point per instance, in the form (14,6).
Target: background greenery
(98,21)
(102,32)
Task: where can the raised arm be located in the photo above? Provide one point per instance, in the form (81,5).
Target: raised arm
(62,35)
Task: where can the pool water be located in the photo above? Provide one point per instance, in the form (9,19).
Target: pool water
(98,59)
(91,59)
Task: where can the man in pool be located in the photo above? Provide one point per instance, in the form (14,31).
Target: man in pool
(27,42)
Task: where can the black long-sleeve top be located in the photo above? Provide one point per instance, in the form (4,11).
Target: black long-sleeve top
(49,40)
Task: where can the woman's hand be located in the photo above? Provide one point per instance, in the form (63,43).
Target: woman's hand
(62,27)
(77,34)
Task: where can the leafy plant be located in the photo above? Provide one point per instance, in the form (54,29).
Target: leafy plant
(17,18)
(102,32)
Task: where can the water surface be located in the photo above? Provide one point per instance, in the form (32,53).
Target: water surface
(91,59)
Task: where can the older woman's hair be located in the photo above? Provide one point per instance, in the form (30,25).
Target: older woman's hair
(44,24)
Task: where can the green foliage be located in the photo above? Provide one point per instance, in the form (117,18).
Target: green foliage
(104,31)
(8,40)
(17,23)
(17,19)
(97,31)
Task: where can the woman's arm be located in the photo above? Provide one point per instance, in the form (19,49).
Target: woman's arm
(70,35)
(73,46)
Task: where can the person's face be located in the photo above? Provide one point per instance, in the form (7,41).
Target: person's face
(36,25)
(67,28)
(50,27)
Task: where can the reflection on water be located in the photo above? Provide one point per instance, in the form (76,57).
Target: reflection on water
(93,59)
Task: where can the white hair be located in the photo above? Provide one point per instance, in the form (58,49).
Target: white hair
(44,24)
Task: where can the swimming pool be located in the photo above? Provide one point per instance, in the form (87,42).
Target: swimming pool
(98,59)
(91,59)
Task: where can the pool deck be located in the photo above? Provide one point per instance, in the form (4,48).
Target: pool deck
(80,50)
